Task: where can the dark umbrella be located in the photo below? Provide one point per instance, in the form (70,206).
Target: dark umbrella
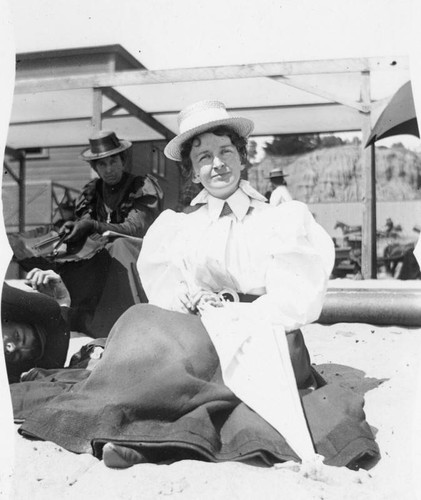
(398,117)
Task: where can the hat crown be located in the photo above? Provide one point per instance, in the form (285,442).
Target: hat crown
(201,113)
(103,142)
(201,117)
(277,172)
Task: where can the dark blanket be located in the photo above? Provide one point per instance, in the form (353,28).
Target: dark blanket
(159,388)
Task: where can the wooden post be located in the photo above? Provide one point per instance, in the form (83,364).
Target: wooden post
(22,191)
(96,121)
(368,242)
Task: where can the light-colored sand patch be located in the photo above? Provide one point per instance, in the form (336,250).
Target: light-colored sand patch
(46,471)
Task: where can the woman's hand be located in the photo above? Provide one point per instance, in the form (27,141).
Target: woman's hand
(204,299)
(195,303)
(184,298)
(49,283)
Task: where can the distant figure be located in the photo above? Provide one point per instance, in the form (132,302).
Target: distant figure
(417,251)
(280,193)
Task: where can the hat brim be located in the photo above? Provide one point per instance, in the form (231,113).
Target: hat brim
(276,176)
(44,314)
(243,126)
(87,154)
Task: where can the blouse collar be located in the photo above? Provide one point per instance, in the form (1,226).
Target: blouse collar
(239,202)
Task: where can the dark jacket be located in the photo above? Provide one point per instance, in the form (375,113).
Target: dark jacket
(134,203)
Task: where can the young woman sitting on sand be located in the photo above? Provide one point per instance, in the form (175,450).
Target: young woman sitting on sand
(209,369)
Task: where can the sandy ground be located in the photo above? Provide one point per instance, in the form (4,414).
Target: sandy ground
(383,362)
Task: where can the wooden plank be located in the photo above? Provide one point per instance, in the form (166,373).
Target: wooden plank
(135,110)
(144,77)
(109,113)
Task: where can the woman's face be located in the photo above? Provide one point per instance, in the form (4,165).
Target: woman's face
(20,342)
(216,164)
(110,169)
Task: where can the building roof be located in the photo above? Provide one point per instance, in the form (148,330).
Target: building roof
(58,93)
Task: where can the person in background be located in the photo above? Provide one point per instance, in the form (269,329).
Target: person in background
(279,193)
(34,325)
(117,202)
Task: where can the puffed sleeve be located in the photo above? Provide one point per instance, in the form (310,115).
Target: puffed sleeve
(158,261)
(301,258)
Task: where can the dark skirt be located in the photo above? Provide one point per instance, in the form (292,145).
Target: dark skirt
(95,284)
(158,388)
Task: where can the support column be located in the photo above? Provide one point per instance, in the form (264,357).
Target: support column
(22,192)
(368,242)
(96,121)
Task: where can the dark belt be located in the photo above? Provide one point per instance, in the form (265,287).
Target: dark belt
(232,296)
(248,297)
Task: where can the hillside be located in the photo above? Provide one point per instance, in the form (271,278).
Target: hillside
(335,174)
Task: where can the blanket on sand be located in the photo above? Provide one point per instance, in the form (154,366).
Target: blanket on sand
(158,388)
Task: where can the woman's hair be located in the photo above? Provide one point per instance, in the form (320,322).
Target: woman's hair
(122,155)
(278,181)
(239,142)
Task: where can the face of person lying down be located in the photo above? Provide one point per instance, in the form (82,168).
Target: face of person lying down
(20,342)
(216,164)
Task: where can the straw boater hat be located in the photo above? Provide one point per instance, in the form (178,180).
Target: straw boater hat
(200,117)
(104,143)
(277,172)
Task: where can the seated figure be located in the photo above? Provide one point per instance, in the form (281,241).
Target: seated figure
(115,202)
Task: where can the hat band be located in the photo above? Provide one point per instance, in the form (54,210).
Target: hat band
(199,119)
(104,144)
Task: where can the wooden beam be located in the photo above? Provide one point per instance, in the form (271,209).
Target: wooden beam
(145,77)
(286,80)
(96,121)
(368,239)
(135,110)
(15,153)
(110,112)
(10,172)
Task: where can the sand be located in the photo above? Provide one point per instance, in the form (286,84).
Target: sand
(383,363)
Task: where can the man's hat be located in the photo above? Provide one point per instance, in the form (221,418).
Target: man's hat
(104,143)
(44,314)
(277,172)
(201,117)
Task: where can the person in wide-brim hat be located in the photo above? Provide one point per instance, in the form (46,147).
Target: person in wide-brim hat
(203,116)
(279,193)
(277,173)
(117,201)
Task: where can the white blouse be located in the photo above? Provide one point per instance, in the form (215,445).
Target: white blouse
(279,253)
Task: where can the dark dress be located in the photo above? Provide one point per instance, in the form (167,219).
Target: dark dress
(158,388)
